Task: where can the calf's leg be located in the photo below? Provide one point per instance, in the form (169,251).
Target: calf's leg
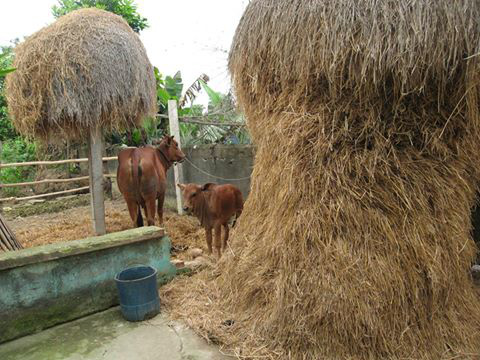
(217,241)
(208,235)
(225,236)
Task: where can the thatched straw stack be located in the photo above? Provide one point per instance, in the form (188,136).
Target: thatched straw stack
(86,69)
(355,241)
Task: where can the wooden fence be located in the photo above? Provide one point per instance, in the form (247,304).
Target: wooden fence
(50,181)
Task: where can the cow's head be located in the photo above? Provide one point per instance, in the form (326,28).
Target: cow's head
(169,147)
(190,195)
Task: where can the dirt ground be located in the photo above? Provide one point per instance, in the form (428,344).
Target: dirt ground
(75,223)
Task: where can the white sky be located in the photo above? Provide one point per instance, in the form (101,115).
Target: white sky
(187,35)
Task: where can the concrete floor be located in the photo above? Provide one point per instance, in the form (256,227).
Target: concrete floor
(108,336)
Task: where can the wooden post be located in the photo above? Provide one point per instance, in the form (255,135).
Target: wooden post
(95,170)
(107,181)
(178,169)
(8,241)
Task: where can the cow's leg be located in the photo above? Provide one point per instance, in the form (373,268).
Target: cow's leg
(135,213)
(150,207)
(161,199)
(218,241)
(208,235)
(225,236)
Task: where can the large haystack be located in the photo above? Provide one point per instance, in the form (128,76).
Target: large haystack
(87,68)
(355,241)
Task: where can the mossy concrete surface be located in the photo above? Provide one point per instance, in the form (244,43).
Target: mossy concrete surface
(107,336)
(58,250)
(47,285)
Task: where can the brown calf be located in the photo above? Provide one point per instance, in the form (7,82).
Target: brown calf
(213,205)
(142,178)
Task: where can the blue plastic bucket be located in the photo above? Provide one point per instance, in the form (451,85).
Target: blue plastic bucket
(137,290)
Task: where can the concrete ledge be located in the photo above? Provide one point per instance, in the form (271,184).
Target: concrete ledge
(33,255)
(48,285)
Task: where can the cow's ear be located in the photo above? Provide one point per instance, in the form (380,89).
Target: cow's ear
(169,140)
(207,186)
(181,186)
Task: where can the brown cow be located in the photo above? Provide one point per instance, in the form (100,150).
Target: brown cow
(213,205)
(142,178)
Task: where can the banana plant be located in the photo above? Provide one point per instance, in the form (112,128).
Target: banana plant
(216,98)
(193,90)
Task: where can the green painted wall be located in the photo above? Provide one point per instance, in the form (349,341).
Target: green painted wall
(52,284)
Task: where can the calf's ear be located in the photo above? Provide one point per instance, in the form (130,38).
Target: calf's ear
(207,186)
(181,186)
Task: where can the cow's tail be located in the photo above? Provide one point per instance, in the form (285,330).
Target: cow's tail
(136,179)
(139,217)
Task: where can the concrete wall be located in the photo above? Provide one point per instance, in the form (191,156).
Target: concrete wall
(224,161)
(52,284)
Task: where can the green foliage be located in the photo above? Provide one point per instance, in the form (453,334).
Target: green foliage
(215,97)
(168,88)
(221,109)
(4,63)
(6,129)
(14,147)
(17,150)
(125,8)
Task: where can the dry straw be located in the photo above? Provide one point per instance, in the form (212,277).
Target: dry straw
(86,69)
(355,240)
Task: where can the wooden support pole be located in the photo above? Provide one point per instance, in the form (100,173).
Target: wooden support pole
(95,169)
(8,240)
(178,169)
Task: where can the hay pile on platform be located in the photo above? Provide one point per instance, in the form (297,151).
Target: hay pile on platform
(355,240)
(88,68)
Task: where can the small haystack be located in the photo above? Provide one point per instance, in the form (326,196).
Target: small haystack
(355,241)
(88,68)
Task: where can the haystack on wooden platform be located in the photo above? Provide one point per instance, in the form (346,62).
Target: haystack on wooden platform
(355,240)
(87,69)
(85,74)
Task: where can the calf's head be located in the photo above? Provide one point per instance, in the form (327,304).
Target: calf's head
(191,194)
(169,148)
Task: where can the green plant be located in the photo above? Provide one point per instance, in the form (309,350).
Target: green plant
(221,109)
(125,8)
(168,88)
(5,62)
(17,150)
(6,129)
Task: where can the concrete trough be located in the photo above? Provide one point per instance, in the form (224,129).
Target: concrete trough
(52,284)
